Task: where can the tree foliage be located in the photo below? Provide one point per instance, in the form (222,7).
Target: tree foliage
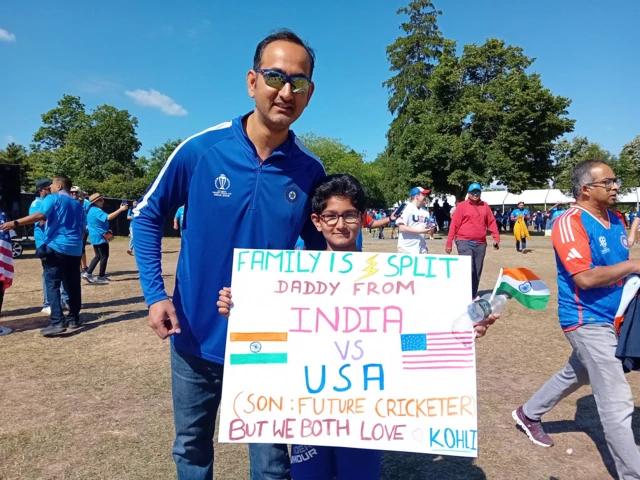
(340,158)
(568,154)
(479,116)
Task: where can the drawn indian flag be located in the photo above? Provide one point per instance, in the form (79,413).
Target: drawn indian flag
(255,348)
(525,286)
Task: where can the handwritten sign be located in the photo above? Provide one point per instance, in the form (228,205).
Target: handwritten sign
(350,349)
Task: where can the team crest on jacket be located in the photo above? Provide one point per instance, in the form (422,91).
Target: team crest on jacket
(292,194)
(222,184)
(624,240)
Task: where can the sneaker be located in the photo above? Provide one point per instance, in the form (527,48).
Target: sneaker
(52,330)
(46,310)
(129,252)
(101,281)
(533,429)
(88,277)
(74,323)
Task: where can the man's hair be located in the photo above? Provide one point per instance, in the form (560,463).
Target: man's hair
(287,36)
(341,186)
(64,181)
(581,175)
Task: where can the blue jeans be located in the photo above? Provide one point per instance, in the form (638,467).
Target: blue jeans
(62,270)
(131,241)
(63,294)
(196,386)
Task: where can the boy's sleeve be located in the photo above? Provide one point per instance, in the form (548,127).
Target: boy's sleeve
(169,190)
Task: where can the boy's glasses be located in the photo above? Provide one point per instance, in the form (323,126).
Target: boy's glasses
(277,80)
(331,219)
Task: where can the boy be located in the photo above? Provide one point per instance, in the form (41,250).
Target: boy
(338,209)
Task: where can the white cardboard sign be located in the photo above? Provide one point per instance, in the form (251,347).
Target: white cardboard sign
(350,349)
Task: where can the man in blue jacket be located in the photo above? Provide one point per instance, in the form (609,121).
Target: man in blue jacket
(252,178)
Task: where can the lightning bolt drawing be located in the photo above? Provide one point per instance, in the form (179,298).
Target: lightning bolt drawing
(370,269)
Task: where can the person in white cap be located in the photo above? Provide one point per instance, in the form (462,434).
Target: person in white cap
(413,224)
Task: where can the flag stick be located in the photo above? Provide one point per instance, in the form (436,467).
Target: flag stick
(495,288)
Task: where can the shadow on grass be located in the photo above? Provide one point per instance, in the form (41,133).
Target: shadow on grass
(122,272)
(114,303)
(89,321)
(416,466)
(36,322)
(587,420)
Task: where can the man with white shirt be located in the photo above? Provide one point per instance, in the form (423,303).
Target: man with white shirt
(413,224)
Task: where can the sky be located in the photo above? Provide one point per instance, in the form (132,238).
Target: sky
(180,67)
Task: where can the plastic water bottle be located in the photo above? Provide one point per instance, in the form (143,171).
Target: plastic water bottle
(485,306)
(476,312)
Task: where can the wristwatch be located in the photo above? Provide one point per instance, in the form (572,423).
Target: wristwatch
(16,223)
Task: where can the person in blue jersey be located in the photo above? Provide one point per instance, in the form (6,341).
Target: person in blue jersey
(100,236)
(553,213)
(516,214)
(78,194)
(338,212)
(244,183)
(130,217)
(592,256)
(178,219)
(43,188)
(60,252)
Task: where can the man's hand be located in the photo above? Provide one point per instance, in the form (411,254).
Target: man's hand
(429,230)
(175,226)
(392,217)
(448,250)
(496,246)
(6,226)
(224,302)
(124,207)
(162,319)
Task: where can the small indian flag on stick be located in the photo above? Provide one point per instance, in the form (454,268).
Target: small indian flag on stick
(525,286)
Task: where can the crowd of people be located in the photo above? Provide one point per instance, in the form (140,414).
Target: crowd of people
(273,176)
(63,220)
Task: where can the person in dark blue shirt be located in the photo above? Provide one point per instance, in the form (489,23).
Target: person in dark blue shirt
(244,183)
(60,252)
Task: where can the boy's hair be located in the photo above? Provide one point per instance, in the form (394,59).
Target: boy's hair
(341,186)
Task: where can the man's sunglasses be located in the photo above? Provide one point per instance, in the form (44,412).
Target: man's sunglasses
(475,192)
(607,183)
(277,80)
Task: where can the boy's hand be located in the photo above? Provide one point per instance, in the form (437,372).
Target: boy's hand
(224,302)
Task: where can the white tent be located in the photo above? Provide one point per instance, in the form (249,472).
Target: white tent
(547,197)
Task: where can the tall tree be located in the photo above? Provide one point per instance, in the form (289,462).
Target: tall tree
(159,155)
(628,166)
(59,122)
(413,56)
(479,117)
(17,155)
(108,143)
(568,153)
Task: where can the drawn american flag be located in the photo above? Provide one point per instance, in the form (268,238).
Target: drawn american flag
(6,256)
(437,350)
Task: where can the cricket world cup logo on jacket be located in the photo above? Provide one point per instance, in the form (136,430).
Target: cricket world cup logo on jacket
(222,184)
